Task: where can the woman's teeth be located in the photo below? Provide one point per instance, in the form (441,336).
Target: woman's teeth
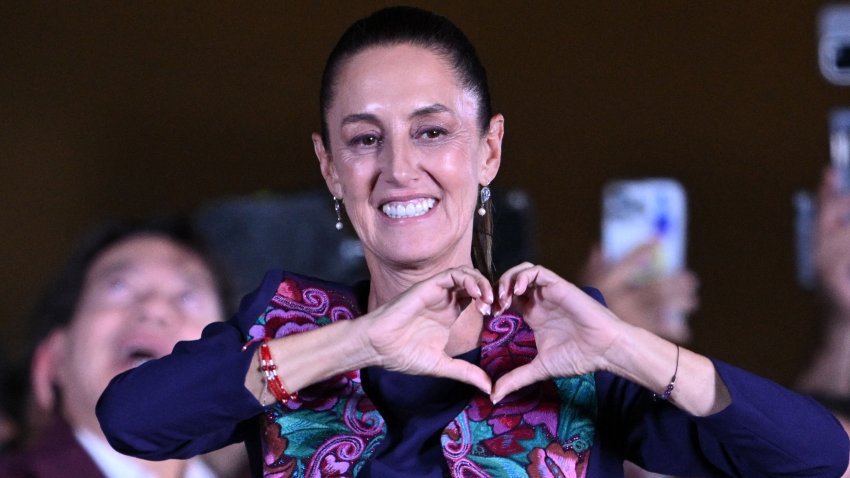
(419,207)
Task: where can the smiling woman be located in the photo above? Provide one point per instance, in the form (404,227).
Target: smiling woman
(432,368)
(405,150)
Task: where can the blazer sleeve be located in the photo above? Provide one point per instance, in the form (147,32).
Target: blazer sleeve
(767,431)
(193,400)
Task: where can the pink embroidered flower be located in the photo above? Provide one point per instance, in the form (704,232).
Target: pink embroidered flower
(507,444)
(277,465)
(332,468)
(289,289)
(555,462)
(531,406)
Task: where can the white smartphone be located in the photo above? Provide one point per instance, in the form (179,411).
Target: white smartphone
(839,145)
(635,212)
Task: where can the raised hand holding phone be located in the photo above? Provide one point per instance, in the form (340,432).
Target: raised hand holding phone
(641,267)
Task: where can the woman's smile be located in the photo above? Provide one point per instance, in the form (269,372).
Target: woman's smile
(407,209)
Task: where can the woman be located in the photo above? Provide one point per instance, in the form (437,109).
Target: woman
(442,373)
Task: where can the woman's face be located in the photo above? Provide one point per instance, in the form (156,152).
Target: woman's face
(407,157)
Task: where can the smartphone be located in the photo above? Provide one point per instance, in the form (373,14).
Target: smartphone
(805,212)
(805,204)
(637,211)
(839,145)
(834,43)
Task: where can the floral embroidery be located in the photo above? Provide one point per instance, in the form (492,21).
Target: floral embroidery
(555,462)
(540,427)
(332,427)
(544,430)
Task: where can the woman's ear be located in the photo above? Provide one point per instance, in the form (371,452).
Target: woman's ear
(493,142)
(45,362)
(326,166)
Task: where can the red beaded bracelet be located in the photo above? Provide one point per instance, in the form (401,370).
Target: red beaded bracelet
(269,370)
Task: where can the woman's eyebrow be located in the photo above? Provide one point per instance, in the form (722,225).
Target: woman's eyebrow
(430,110)
(360,117)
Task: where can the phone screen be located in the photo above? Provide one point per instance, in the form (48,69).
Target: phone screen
(839,145)
(636,212)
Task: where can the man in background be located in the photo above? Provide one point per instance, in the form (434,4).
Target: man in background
(128,294)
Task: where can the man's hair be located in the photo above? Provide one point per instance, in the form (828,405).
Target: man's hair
(59,301)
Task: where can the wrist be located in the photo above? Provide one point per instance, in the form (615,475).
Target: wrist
(338,344)
(624,354)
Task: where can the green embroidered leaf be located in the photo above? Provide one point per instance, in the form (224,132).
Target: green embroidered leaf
(578,410)
(306,430)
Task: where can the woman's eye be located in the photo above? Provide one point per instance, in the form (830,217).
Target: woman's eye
(433,133)
(367,140)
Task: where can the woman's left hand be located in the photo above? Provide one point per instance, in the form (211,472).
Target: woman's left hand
(575,335)
(572,330)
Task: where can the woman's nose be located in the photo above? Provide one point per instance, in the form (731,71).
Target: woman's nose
(400,162)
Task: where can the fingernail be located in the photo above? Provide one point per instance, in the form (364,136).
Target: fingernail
(485,309)
(502,291)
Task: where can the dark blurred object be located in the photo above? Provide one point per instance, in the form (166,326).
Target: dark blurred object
(253,234)
(834,43)
(515,235)
(13,398)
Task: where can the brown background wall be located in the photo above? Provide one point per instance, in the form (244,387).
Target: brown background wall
(110,108)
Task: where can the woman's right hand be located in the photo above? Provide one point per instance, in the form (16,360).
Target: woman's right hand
(832,245)
(658,303)
(410,333)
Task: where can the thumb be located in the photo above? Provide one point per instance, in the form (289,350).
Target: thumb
(468,373)
(623,273)
(515,380)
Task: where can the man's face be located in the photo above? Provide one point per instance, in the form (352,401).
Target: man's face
(140,297)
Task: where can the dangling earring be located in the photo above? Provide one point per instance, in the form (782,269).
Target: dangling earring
(337,207)
(485,196)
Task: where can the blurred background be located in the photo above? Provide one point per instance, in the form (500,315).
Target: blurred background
(110,109)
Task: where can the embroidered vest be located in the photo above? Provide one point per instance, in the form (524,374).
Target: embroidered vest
(544,430)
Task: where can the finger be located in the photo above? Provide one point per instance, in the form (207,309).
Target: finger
(466,372)
(484,286)
(535,276)
(834,206)
(524,279)
(834,211)
(514,380)
(622,274)
(461,279)
(472,282)
(830,184)
(506,285)
(594,268)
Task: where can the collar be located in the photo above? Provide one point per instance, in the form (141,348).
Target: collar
(116,465)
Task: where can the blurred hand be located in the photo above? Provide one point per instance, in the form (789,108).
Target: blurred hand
(832,245)
(410,334)
(658,304)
